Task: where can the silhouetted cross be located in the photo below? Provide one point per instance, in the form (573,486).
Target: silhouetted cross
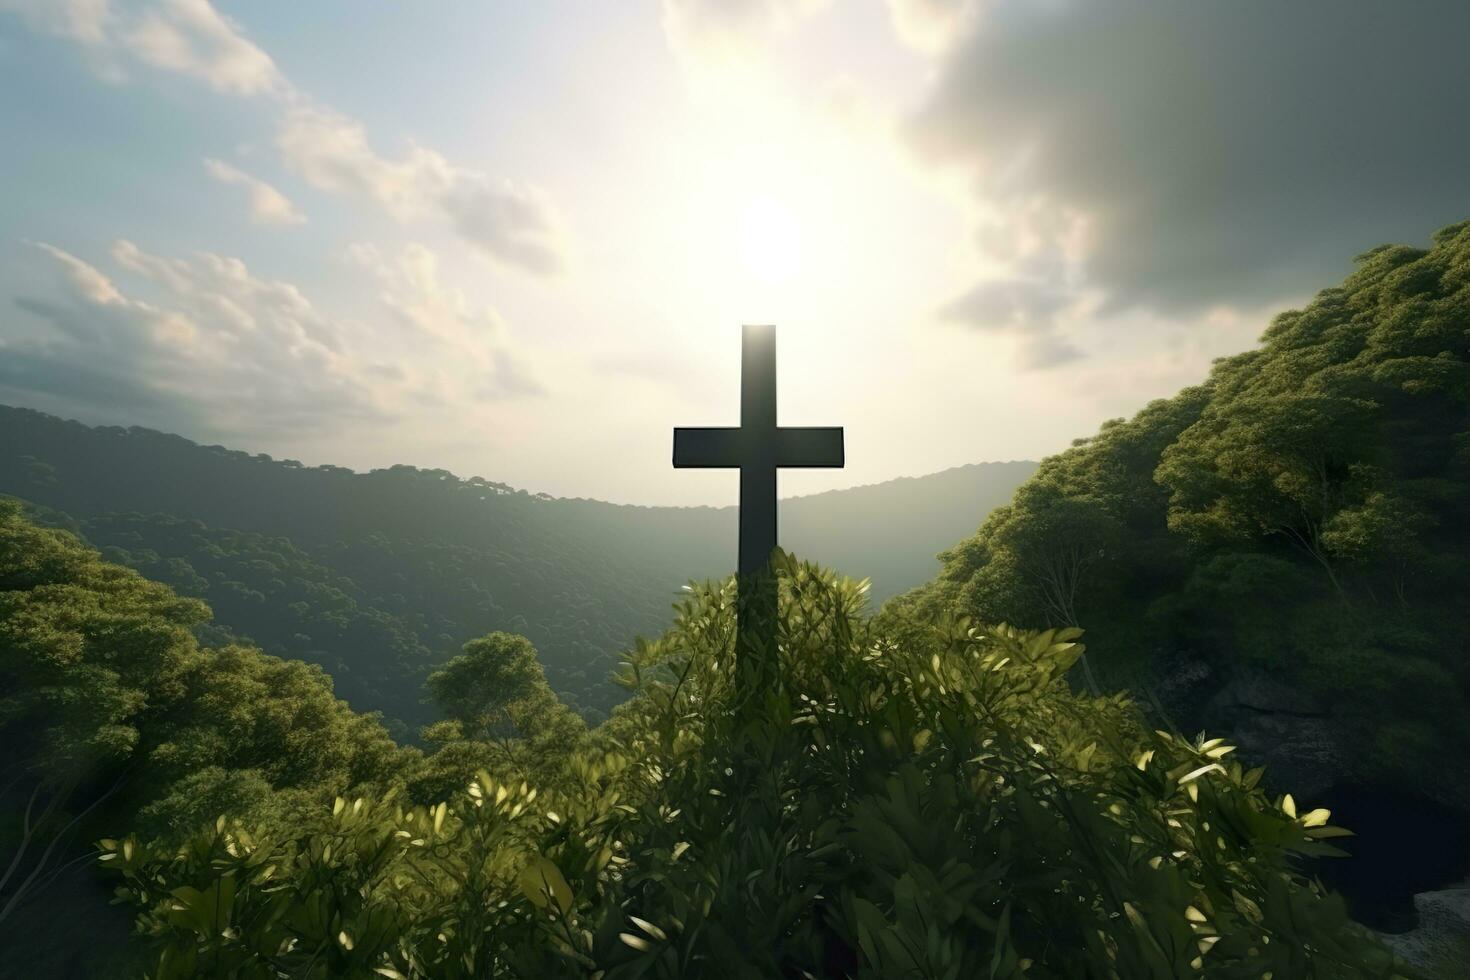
(757,448)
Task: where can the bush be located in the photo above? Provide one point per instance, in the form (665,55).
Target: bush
(942,806)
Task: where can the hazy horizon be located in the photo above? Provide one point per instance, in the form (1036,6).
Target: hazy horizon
(491,477)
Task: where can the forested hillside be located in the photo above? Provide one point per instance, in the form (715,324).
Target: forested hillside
(113,715)
(910,797)
(1277,555)
(379,577)
(1281,553)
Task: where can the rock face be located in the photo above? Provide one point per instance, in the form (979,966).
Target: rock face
(1290,733)
(1407,849)
(1440,945)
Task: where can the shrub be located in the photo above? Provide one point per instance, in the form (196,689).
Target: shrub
(915,798)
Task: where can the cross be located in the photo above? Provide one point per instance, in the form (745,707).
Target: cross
(757,449)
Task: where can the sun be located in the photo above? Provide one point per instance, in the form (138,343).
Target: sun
(770,240)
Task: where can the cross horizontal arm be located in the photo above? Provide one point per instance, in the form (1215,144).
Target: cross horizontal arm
(707,448)
(809,446)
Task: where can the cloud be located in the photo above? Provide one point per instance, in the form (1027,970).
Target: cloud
(1185,155)
(729,28)
(1001,304)
(85,21)
(1031,288)
(268,206)
(931,25)
(192,38)
(237,306)
(205,346)
(331,152)
(87,282)
(234,354)
(472,338)
(1041,351)
(188,37)
(1023,308)
(511,224)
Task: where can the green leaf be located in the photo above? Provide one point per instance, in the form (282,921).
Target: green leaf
(542,880)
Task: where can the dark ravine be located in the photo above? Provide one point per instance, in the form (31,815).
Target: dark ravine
(1403,848)
(1406,846)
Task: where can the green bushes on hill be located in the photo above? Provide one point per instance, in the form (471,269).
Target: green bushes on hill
(921,798)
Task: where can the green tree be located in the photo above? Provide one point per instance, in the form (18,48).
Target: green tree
(1272,464)
(496,689)
(502,716)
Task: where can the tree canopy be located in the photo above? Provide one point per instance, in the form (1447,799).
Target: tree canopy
(1304,512)
(113,714)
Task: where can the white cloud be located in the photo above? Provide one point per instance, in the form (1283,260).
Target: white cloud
(1047,349)
(1031,286)
(1026,308)
(206,346)
(471,338)
(222,350)
(85,21)
(852,105)
(931,25)
(192,38)
(188,37)
(331,152)
(268,206)
(730,28)
(90,284)
(240,308)
(511,224)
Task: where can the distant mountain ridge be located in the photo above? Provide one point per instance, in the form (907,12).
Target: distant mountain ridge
(379,575)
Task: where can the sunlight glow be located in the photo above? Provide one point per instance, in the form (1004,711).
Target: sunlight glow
(770,241)
(786,211)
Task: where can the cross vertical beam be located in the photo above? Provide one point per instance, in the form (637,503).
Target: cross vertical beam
(757,448)
(758,455)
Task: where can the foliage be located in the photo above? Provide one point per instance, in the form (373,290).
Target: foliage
(916,794)
(495,688)
(274,594)
(1305,511)
(113,715)
(924,799)
(502,715)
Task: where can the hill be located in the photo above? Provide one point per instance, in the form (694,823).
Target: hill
(1282,553)
(380,576)
(910,797)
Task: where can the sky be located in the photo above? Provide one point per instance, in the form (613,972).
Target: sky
(519,240)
